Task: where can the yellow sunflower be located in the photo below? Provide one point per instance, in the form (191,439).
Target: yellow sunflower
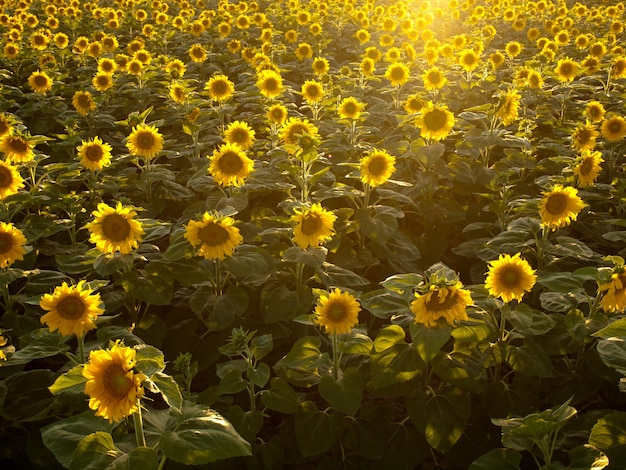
(350,108)
(270,83)
(71,309)
(312,91)
(314,226)
(215,237)
(448,302)
(413,104)
(94,154)
(588,168)
(240,133)
(594,111)
(566,69)
(145,141)
(509,108)
(613,128)
(560,206)
(320,66)
(197,53)
(535,80)
(435,122)
(11,50)
(229,165)
(10,180)
(304,51)
(618,68)
(337,312)
(377,167)
(12,242)
(39,82)
(277,114)
(115,229)
(496,59)
(509,277)
(398,74)
(83,102)
(434,79)
(102,82)
(584,137)
(177,93)
(513,49)
(220,88)
(6,124)
(135,67)
(17,148)
(468,60)
(106,65)
(113,387)
(614,300)
(295,127)
(367,67)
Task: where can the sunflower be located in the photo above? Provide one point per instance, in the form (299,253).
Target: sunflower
(229,165)
(17,148)
(413,104)
(40,82)
(215,237)
(176,68)
(276,114)
(584,137)
(434,79)
(240,133)
(377,167)
(350,108)
(509,277)
(535,80)
(560,206)
(509,108)
(513,49)
(304,51)
(448,302)
(102,82)
(106,65)
(10,180)
(220,88)
(270,83)
(618,68)
(145,141)
(197,53)
(83,102)
(367,67)
(566,69)
(71,309)
(177,93)
(295,127)
(314,226)
(113,387)
(6,125)
(613,128)
(320,66)
(11,50)
(588,168)
(94,154)
(594,111)
(468,60)
(312,91)
(115,229)
(597,50)
(614,300)
(398,74)
(435,122)
(12,242)
(337,312)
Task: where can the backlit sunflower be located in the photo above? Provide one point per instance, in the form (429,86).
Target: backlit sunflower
(10,180)
(71,309)
(560,206)
(435,122)
(17,148)
(115,229)
(11,50)
(229,165)
(398,74)
(509,109)
(314,226)
(535,80)
(434,79)
(145,141)
(337,312)
(448,302)
(468,60)
(594,111)
(588,168)
(377,167)
(83,102)
(240,133)
(312,91)
(618,68)
(220,88)
(40,82)
(584,137)
(214,237)
(613,128)
(367,67)
(270,83)
(350,108)
(102,82)
(295,127)
(566,69)
(513,49)
(113,387)
(614,300)
(276,114)
(94,154)
(496,59)
(509,277)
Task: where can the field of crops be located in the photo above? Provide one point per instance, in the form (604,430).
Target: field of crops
(354,234)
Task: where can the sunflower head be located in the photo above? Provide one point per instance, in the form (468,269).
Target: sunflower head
(270,83)
(441,302)
(94,154)
(567,69)
(40,82)
(509,277)
(12,242)
(115,229)
(213,236)
(350,108)
(613,128)
(314,226)
(10,180)
(230,166)
(468,60)
(434,79)
(560,206)
(145,141)
(17,148)
(587,168)
(435,122)
(312,91)
(377,167)
(220,88)
(240,133)
(276,114)
(337,312)
(398,74)
(584,137)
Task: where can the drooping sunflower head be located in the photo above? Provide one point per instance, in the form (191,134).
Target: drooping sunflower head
(566,69)
(584,137)
(114,388)
(443,303)
(613,128)
(145,141)
(614,299)
(71,309)
(94,154)
(220,88)
(10,180)
(230,166)
(560,206)
(312,91)
(240,133)
(496,59)
(587,168)
(398,74)
(314,226)
(213,236)
(377,167)
(270,83)
(350,108)
(367,67)
(17,148)
(337,312)
(435,122)
(40,82)
(115,229)
(509,277)
(12,242)
(509,108)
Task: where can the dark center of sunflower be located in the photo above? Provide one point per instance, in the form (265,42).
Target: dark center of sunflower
(219,87)
(17,145)
(435,119)
(336,313)
(239,136)
(103,80)
(312,91)
(116,382)
(622,280)
(39,40)
(349,108)
(94,153)
(115,227)
(586,166)
(84,101)
(311,223)
(509,277)
(584,136)
(469,59)
(556,204)
(6,178)
(397,73)
(230,163)
(106,67)
(567,69)
(614,127)
(213,234)
(40,81)
(4,127)
(197,52)
(6,243)
(145,140)
(618,67)
(434,77)
(270,84)
(377,166)
(436,304)
(71,308)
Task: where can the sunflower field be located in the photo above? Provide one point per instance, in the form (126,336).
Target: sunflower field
(353,234)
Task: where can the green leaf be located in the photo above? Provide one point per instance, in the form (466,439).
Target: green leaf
(260,375)
(367,434)
(393,360)
(356,343)
(232,382)
(572,247)
(562,282)
(169,389)
(107,264)
(587,457)
(140,458)
(249,262)
(474,331)
(280,397)
(530,322)
(261,345)
(149,359)
(344,394)
(72,381)
(529,359)
(608,432)
(428,341)
(304,364)
(313,256)
(315,430)
(331,275)
(95,452)
(384,304)
(279,303)
(555,302)
(202,436)
(498,459)
(149,288)
(378,223)
(616,328)
(613,353)
(40,343)
(403,284)
(26,396)
(247,423)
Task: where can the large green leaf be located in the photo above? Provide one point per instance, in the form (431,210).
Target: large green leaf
(613,353)
(250,263)
(149,359)
(72,381)
(140,458)
(384,304)
(428,341)
(530,322)
(315,430)
(304,364)
(616,328)
(40,343)
(148,287)
(280,397)
(169,389)
(529,359)
(498,459)
(344,394)
(608,435)
(95,452)
(393,360)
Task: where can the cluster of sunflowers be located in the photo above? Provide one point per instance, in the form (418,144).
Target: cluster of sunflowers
(374,207)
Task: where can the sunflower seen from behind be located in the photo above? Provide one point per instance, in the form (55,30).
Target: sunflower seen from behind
(94,154)
(337,312)
(10,180)
(313,226)
(510,277)
(145,141)
(441,303)
(230,166)
(115,229)
(12,242)
(113,386)
(213,236)
(377,167)
(71,309)
(559,206)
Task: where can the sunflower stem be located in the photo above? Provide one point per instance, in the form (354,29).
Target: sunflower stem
(138,421)
(162,463)
(335,346)
(81,348)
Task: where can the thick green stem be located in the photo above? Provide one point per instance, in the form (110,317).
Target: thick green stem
(138,421)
